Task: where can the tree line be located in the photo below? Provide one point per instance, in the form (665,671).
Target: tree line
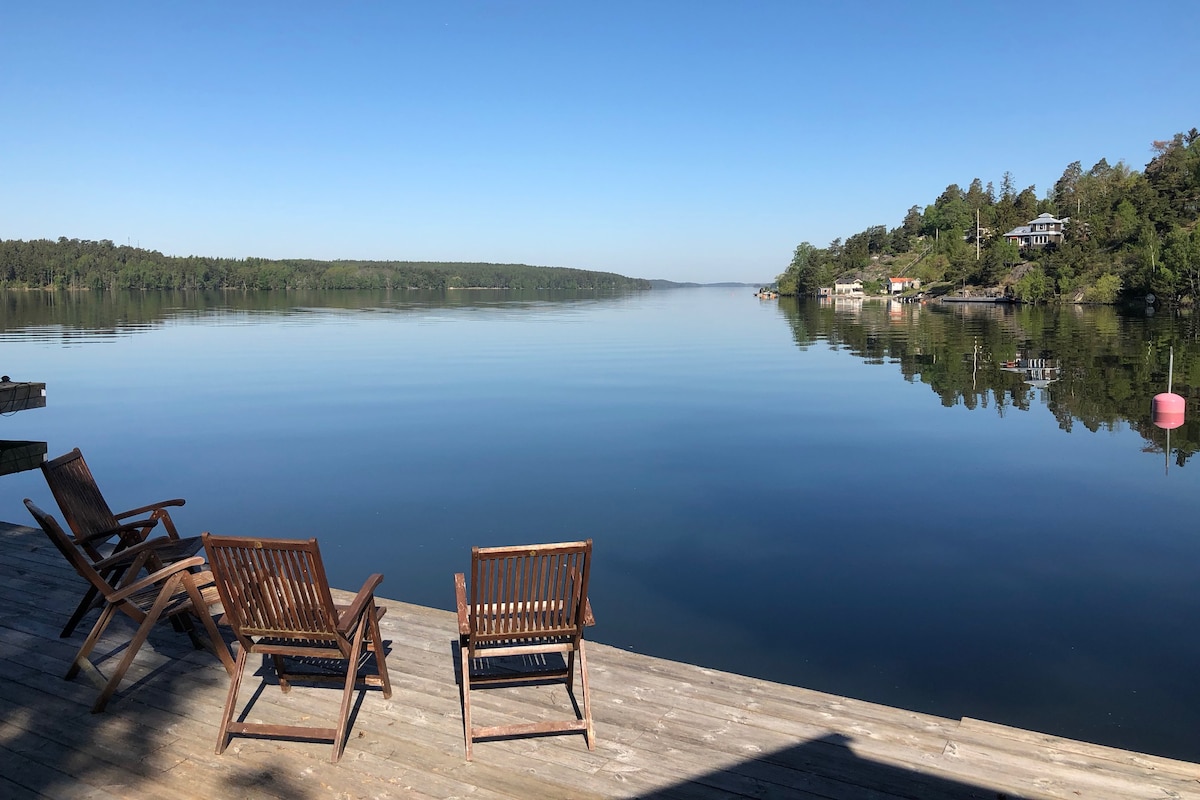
(1130,233)
(104,266)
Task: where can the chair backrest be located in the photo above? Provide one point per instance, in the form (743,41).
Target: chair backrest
(77,495)
(81,563)
(274,588)
(529,592)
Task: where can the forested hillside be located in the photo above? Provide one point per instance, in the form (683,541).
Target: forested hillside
(1130,233)
(101,265)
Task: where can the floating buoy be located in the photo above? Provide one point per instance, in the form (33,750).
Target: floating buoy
(1166,410)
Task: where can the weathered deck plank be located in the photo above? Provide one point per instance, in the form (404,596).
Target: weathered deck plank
(664,729)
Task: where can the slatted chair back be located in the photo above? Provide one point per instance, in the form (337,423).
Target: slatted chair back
(94,524)
(78,497)
(529,594)
(82,563)
(275,589)
(278,602)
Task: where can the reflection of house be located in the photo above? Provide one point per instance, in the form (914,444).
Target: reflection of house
(851,287)
(1044,230)
(1037,372)
(843,302)
(898,285)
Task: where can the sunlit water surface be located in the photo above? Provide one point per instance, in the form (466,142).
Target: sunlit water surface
(835,497)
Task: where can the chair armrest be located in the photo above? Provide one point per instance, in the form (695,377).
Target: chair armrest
(588,619)
(460,597)
(127,554)
(154,577)
(178,501)
(364,598)
(120,530)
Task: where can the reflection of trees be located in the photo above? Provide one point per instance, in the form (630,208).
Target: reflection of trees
(122,313)
(1110,364)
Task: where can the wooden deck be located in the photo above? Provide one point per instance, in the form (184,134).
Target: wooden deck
(664,729)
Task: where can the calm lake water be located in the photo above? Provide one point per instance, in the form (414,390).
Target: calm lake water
(960,510)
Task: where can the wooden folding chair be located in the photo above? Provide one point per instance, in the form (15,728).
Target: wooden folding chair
(99,532)
(170,592)
(526,601)
(277,600)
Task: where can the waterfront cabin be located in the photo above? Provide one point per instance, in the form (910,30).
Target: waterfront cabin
(1040,232)
(898,285)
(848,287)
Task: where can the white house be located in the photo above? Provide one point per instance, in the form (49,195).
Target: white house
(851,287)
(1044,230)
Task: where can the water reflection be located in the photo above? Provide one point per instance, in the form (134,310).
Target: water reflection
(18,456)
(72,318)
(1093,367)
(20,395)
(1037,372)
(1089,366)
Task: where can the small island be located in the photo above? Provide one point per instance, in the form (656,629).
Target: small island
(1102,235)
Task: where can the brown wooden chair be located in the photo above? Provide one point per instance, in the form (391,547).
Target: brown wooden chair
(171,592)
(525,602)
(277,600)
(100,532)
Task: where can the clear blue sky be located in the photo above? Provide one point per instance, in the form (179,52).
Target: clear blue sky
(694,140)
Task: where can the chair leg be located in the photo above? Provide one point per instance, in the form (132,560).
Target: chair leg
(376,646)
(152,616)
(339,741)
(85,605)
(201,610)
(235,683)
(85,649)
(281,672)
(465,653)
(587,699)
(91,599)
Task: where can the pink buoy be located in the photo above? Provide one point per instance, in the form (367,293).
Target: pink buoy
(1166,411)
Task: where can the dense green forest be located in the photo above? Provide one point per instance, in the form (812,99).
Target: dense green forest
(102,265)
(1130,234)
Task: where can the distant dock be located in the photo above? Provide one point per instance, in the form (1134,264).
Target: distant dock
(664,729)
(978,299)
